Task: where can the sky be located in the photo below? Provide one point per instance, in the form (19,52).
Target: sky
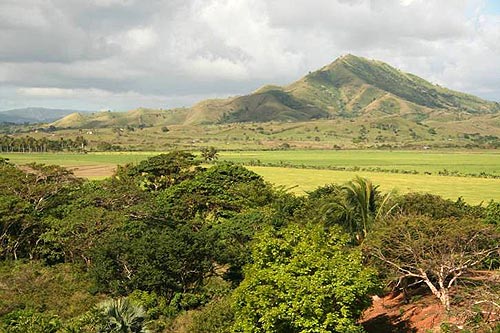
(124,54)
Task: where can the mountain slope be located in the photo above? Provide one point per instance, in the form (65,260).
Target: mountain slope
(33,115)
(139,117)
(353,84)
(349,87)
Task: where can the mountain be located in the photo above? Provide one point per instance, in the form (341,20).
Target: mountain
(350,87)
(33,115)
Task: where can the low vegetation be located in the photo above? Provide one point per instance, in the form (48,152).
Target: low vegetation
(168,245)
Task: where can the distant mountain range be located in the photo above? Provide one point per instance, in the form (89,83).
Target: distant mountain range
(34,115)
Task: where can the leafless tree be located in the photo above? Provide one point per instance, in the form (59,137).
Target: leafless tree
(436,252)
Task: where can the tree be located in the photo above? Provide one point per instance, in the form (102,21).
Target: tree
(164,260)
(219,191)
(362,195)
(303,279)
(209,154)
(493,213)
(435,206)
(25,196)
(436,252)
(164,170)
(356,206)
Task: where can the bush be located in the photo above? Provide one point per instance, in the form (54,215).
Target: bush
(29,321)
(303,279)
(217,316)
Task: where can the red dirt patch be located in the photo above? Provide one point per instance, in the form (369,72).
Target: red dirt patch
(390,314)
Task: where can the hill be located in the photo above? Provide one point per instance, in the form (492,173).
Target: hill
(350,87)
(141,117)
(33,115)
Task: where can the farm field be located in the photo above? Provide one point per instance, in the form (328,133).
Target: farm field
(428,161)
(473,190)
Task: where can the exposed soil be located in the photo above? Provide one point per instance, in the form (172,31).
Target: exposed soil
(92,171)
(391,313)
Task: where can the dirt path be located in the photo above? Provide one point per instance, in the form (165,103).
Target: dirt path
(92,171)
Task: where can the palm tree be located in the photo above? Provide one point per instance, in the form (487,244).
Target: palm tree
(122,316)
(362,195)
(357,205)
(368,202)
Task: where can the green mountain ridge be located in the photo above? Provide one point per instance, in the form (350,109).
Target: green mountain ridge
(349,87)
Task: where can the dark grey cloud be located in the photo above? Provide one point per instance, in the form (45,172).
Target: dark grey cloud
(164,53)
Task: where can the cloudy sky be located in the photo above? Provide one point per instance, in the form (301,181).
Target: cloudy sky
(122,54)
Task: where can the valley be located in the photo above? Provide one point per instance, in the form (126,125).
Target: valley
(291,208)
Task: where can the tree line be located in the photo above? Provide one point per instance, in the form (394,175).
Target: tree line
(169,245)
(29,144)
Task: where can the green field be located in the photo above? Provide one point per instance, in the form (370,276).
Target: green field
(473,190)
(428,161)
(74,159)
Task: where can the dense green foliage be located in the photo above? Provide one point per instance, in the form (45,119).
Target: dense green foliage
(303,279)
(167,239)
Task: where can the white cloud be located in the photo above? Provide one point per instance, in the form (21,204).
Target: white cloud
(406,2)
(178,51)
(109,3)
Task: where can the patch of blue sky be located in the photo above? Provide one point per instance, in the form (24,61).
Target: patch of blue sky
(492,7)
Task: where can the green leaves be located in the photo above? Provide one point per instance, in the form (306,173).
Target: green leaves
(303,279)
(164,170)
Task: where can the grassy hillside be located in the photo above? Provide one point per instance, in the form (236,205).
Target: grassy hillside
(141,117)
(413,88)
(350,87)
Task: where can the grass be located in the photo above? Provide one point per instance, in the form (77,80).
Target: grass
(70,159)
(472,190)
(367,132)
(463,162)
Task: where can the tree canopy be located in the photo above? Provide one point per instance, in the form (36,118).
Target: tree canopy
(303,279)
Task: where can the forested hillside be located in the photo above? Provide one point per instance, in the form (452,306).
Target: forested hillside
(169,245)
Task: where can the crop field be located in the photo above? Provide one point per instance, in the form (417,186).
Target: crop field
(75,159)
(433,162)
(300,179)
